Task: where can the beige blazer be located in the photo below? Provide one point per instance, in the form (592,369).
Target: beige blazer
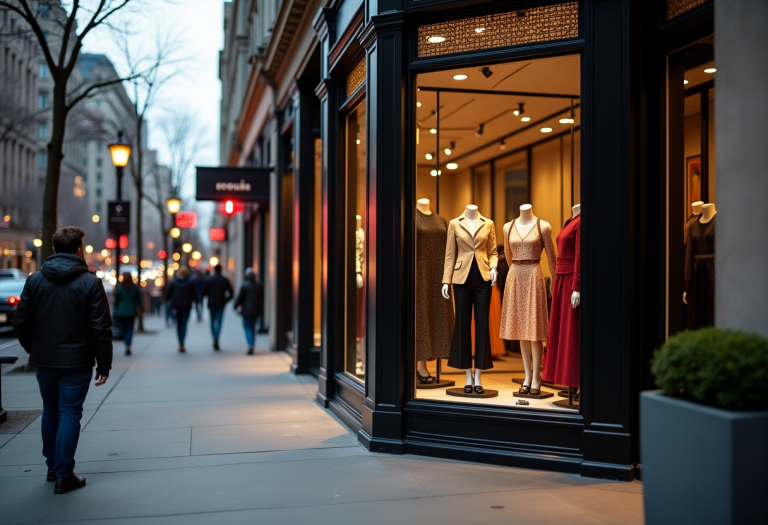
(462,247)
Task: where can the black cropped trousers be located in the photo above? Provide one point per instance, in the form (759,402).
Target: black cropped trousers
(474,294)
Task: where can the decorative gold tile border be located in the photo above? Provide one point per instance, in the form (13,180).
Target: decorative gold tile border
(356,78)
(537,24)
(676,8)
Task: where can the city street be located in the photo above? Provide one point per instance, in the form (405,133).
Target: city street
(209,437)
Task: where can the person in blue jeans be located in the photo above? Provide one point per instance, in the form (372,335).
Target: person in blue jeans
(127,302)
(182,295)
(250,303)
(63,322)
(218,289)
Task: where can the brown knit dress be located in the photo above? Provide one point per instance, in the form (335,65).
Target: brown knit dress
(434,313)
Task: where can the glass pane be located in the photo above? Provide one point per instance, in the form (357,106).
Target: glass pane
(357,262)
(318,244)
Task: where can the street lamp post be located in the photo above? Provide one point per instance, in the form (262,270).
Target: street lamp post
(174,205)
(120,152)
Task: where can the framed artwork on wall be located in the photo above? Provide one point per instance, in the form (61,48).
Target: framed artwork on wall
(693,178)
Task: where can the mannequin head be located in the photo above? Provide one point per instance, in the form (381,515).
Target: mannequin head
(696,207)
(576,209)
(423,206)
(471,212)
(526,213)
(707,212)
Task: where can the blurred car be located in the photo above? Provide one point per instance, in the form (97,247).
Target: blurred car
(10,293)
(12,273)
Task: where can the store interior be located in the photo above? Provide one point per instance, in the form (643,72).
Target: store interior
(498,136)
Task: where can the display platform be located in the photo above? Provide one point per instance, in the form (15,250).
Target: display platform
(563,403)
(459,392)
(543,395)
(443,383)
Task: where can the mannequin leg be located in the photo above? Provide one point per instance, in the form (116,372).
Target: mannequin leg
(525,350)
(537,351)
(478,373)
(469,377)
(422,367)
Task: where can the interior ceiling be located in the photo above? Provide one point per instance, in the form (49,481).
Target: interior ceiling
(703,58)
(462,113)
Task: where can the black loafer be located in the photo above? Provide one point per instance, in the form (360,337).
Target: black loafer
(51,476)
(479,390)
(467,389)
(64,485)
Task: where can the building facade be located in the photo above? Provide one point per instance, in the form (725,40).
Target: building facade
(390,124)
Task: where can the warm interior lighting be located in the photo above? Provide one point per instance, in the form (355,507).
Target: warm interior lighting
(520,109)
(435,173)
(447,151)
(452,166)
(428,156)
(357,141)
(435,39)
(418,104)
(479,30)
(525,119)
(120,151)
(175,233)
(503,145)
(174,205)
(197,256)
(187,247)
(37,242)
(433,131)
(95,218)
(6,218)
(176,256)
(710,70)
(566,121)
(459,77)
(104,252)
(213,261)
(89,249)
(685,81)
(126,259)
(546,130)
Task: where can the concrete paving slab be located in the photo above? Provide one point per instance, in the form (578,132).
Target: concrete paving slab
(5,438)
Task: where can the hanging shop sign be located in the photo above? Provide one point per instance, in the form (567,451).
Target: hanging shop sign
(186,219)
(217,234)
(119,217)
(240,184)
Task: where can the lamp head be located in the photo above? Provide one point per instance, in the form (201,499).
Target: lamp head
(120,151)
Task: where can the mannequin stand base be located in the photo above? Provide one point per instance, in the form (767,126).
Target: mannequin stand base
(543,395)
(459,392)
(563,393)
(545,383)
(563,403)
(443,383)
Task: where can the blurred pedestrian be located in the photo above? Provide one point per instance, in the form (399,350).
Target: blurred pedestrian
(63,322)
(157,297)
(250,304)
(127,299)
(182,295)
(199,282)
(218,289)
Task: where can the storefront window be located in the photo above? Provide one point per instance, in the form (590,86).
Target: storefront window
(317,227)
(356,256)
(497,313)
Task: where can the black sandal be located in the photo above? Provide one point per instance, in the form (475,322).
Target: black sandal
(425,380)
(525,389)
(479,389)
(467,389)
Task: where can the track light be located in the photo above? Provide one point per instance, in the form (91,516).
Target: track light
(449,150)
(479,132)
(525,119)
(433,130)
(428,156)
(503,145)
(486,71)
(520,110)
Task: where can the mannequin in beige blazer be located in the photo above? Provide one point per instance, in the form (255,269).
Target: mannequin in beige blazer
(462,246)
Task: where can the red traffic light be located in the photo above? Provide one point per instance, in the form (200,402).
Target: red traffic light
(110,244)
(161,254)
(229,207)
(123,242)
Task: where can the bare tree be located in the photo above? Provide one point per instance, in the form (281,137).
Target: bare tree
(61,63)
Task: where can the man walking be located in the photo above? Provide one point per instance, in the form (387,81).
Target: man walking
(63,322)
(218,289)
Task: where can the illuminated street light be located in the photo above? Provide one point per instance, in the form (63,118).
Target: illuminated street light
(176,256)
(95,218)
(174,205)
(37,243)
(187,247)
(120,151)
(175,233)
(213,261)
(197,256)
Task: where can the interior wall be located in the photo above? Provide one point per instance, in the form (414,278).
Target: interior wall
(692,147)
(546,176)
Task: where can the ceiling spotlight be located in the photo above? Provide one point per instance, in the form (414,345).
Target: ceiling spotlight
(685,81)
(449,150)
(435,173)
(503,145)
(520,110)
(433,130)
(479,30)
(452,166)
(566,121)
(479,131)
(546,130)
(486,71)
(418,104)
(459,77)
(710,70)
(435,39)
(525,119)
(428,156)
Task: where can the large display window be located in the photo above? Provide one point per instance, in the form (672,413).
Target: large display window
(356,252)
(497,235)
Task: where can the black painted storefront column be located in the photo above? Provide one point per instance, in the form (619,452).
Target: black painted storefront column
(332,324)
(382,414)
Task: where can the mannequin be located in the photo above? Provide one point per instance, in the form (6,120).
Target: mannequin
(707,212)
(524,312)
(423,206)
(476,253)
(696,207)
(359,241)
(360,293)
(696,211)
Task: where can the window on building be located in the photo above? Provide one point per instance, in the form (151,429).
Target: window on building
(43,73)
(42,100)
(98,192)
(98,207)
(98,162)
(42,130)
(42,159)
(98,177)
(85,162)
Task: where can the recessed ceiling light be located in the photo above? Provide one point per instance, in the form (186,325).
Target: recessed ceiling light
(428,156)
(452,166)
(525,119)
(520,109)
(418,104)
(566,121)
(436,39)
(685,81)
(448,151)
(479,132)
(358,141)
(435,173)
(433,131)
(710,70)
(546,130)
(502,145)
(459,77)
(479,30)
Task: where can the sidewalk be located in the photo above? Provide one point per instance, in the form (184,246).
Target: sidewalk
(221,437)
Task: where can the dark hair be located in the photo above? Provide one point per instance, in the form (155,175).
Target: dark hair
(127,281)
(68,239)
(217,268)
(183,272)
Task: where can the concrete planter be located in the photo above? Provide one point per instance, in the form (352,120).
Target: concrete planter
(702,464)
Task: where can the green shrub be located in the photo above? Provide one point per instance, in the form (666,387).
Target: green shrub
(720,368)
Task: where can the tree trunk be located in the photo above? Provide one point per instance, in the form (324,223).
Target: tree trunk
(139,182)
(53,169)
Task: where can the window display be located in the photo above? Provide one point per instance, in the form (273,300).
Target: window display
(491,149)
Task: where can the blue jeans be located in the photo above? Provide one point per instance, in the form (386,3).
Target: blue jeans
(126,323)
(63,393)
(182,318)
(217,315)
(249,325)
(168,314)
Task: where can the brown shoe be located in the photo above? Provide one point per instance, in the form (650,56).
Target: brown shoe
(64,485)
(50,476)
(182,349)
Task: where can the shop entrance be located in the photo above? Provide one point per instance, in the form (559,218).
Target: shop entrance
(501,137)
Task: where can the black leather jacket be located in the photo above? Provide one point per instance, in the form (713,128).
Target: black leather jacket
(218,289)
(251,299)
(63,318)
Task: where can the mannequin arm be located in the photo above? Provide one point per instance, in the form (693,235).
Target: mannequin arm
(575,299)
(450,254)
(491,247)
(549,247)
(445,291)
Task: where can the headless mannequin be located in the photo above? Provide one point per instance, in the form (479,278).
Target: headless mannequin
(708,212)
(359,228)
(471,214)
(423,206)
(696,207)
(576,296)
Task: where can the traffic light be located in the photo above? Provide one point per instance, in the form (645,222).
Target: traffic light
(110,244)
(229,207)
(161,254)
(123,242)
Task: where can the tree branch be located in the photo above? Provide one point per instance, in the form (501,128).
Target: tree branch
(67,30)
(94,87)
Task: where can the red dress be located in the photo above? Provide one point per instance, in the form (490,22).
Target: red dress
(563,357)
